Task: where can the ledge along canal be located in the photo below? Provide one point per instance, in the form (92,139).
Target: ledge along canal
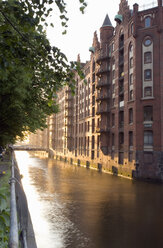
(75,207)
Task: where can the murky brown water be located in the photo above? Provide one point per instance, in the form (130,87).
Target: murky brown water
(73,207)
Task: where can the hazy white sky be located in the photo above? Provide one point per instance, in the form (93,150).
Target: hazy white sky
(81,27)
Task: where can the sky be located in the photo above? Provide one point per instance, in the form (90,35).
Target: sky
(81,27)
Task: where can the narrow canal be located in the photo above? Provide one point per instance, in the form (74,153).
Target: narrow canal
(74,207)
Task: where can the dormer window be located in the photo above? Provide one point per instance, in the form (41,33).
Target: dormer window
(147,22)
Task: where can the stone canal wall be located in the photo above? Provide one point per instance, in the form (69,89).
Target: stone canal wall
(106,167)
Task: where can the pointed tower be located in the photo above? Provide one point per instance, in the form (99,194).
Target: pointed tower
(106,31)
(103,85)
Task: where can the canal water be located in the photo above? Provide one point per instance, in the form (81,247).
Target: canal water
(75,207)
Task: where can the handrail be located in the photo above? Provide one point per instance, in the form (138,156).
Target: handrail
(14,241)
(14,213)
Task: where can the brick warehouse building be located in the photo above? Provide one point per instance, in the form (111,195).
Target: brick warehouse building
(116,120)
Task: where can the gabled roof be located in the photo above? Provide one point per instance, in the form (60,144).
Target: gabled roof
(107,22)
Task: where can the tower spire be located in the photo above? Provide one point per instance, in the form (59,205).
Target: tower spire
(107,21)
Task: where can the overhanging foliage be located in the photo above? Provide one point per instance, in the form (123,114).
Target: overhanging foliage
(31,70)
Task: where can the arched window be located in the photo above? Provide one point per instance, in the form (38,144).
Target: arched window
(147,22)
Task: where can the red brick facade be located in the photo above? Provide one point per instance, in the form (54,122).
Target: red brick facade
(116,120)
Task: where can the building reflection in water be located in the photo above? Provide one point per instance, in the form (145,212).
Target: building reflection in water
(75,207)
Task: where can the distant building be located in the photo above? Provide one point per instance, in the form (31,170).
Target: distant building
(116,119)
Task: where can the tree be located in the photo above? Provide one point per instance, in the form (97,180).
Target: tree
(31,70)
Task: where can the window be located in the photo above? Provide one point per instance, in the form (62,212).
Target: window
(92,155)
(131,48)
(148,74)
(132,28)
(147,91)
(121,138)
(148,138)
(113,120)
(93,111)
(112,154)
(88,126)
(98,142)
(93,142)
(130,138)
(113,102)
(131,62)
(93,125)
(113,74)
(93,89)
(147,22)
(109,51)
(121,118)
(131,95)
(113,88)
(121,158)
(98,122)
(93,77)
(131,79)
(130,115)
(148,113)
(121,88)
(113,47)
(113,63)
(147,57)
(147,42)
(85,126)
(112,139)
(130,156)
(121,41)
(93,66)
(93,100)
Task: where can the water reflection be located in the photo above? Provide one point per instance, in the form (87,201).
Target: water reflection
(74,207)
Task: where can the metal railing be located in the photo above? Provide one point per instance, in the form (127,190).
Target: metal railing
(14,225)
(14,240)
